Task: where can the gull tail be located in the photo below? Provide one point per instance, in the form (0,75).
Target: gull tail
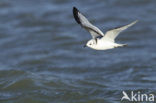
(124,45)
(121,45)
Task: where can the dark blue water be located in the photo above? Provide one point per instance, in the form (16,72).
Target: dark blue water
(42,59)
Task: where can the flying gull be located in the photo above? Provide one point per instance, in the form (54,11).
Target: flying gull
(99,41)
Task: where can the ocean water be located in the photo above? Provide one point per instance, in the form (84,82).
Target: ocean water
(42,59)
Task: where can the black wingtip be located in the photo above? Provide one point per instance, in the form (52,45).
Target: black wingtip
(75,14)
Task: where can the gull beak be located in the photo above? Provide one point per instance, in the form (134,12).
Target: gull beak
(84,46)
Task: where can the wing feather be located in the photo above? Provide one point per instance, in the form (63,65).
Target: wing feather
(82,20)
(112,34)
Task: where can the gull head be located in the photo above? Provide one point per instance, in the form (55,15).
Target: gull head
(91,43)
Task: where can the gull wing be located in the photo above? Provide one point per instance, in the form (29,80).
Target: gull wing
(112,34)
(82,20)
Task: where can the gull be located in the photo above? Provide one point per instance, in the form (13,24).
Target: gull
(99,41)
